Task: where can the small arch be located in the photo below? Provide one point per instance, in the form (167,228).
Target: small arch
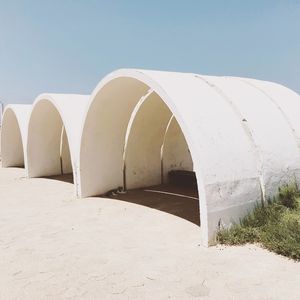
(152,141)
(14,135)
(47,146)
(12,152)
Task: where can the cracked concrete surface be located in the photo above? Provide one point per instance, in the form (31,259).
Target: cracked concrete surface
(53,246)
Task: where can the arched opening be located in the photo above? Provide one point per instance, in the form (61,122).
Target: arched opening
(132,141)
(47,147)
(12,153)
(157,164)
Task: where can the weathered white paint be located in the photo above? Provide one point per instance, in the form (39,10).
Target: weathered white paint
(286,100)
(175,153)
(247,131)
(50,113)
(227,175)
(270,130)
(14,135)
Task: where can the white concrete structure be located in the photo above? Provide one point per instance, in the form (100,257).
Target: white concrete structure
(54,134)
(14,135)
(240,136)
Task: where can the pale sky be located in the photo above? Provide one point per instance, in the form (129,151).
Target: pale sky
(67,46)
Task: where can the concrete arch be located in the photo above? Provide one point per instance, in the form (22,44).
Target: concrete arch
(153,135)
(206,121)
(14,135)
(53,134)
(144,143)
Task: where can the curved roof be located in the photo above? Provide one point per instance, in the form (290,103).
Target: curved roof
(71,108)
(243,135)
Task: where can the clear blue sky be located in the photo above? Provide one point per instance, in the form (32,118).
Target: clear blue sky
(69,45)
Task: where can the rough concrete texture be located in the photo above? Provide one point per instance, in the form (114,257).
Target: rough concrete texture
(228,125)
(53,246)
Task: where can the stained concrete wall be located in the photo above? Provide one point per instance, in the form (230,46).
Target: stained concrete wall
(277,147)
(286,100)
(207,122)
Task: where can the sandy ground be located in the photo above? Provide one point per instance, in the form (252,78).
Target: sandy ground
(53,246)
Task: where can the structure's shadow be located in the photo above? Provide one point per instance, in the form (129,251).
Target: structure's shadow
(180,201)
(65,178)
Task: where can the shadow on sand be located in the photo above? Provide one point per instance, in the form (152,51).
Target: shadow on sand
(180,201)
(65,178)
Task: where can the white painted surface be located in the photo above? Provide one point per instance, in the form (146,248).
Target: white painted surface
(14,135)
(102,144)
(270,130)
(227,175)
(285,99)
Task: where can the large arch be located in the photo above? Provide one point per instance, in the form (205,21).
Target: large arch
(154,145)
(207,122)
(14,135)
(53,134)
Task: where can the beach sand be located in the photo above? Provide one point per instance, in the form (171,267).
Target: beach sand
(54,246)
